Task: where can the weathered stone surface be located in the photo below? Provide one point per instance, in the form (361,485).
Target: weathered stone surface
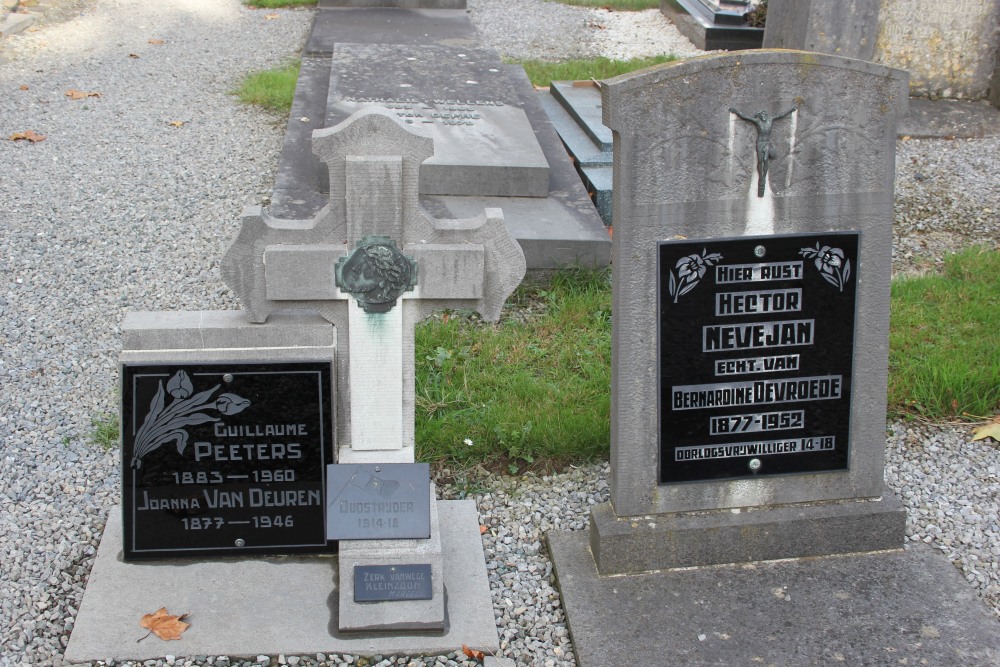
(685,167)
(630,544)
(889,608)
(949,50)
(483,142)
(223,594)
(839,27)
(374,196)
(405,4)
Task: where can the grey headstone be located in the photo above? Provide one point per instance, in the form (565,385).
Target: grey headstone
(685,167)
(846,28)
(265,288)
(483,142)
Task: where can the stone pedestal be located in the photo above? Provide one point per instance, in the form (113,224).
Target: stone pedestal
(846,28)
(393,615)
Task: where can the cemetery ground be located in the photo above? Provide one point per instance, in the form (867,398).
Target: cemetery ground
(129,201)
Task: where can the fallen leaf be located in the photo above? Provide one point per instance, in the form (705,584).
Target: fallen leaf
(176,123)
(75,94)
(24,88)
(473,653)
(482,529)
(29,135)
(271,17)
(133,55)
(991,430)
(163,625)
(155,41)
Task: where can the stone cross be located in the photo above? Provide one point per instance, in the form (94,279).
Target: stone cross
(373,263)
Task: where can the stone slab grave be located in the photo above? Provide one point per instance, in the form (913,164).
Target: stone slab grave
(562,227)
(403,4)
(228,444)
(751,261)
(846,28)
(483,142)
(714,24)
(574,108)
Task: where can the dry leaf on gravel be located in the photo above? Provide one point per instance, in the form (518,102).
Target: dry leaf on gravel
(133,55)
(157,42)
(24,88)
(271,17)
(163,625)
(991,430)
(176,123)
(75,94)
(29,135)
(473,653)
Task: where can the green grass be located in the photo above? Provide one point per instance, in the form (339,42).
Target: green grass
(521,392)
(104,431)
(616,5)
(944,360)
(533,390)
(542,73)
(272,89)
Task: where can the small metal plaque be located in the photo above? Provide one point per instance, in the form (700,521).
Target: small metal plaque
(380,583)
(225,459)
(378,501)
(376,273)
(756,355)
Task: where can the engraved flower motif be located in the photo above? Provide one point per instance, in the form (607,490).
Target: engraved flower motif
(829,259)
(179,386)
(831,264)
(231,404)
(690,268)
(166,423)
(688,271)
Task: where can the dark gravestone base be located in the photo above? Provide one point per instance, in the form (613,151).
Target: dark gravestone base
(711,30)
(900,607)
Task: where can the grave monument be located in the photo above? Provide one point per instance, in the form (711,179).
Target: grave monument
(846,28)
(287,428)
(495,147)
(751,260)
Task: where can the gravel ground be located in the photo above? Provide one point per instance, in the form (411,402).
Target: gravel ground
(130,201)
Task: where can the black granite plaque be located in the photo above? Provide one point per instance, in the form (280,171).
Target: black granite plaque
(378,501)
(225,459)
(756,355)
(380,583)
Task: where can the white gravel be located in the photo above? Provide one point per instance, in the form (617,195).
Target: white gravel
(119,209)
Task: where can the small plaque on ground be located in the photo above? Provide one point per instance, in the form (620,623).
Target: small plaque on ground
(225,459)
(379,583)
(756,355)
(378,501)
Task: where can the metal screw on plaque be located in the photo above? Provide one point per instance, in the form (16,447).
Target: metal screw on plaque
(759,251)
(378,468)
(240,542)
(754,465)
(392,569)
(227,378)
